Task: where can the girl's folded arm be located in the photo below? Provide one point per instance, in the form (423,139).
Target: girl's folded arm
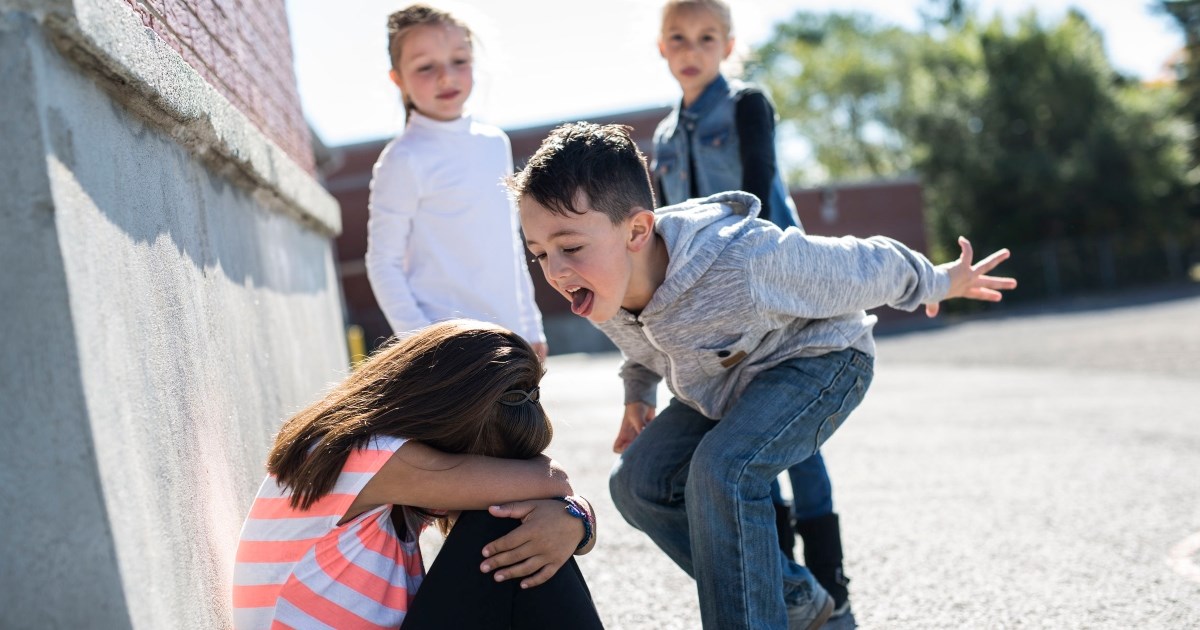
(422,476)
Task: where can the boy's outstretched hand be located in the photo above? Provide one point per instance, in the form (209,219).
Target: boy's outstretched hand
(971,281)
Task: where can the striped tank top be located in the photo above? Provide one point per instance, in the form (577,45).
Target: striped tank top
(300,569)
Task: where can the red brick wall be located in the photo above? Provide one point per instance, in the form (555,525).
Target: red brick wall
(892,208)
(244,50)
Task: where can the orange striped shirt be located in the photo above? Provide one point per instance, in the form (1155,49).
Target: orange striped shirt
(300,569)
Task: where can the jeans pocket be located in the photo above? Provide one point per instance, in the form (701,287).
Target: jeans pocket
(850,400)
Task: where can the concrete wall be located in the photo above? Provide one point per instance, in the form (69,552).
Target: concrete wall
(169,297)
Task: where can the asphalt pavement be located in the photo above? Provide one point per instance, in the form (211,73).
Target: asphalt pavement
(1039,469)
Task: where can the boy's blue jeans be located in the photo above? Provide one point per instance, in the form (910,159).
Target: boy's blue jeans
(702,489)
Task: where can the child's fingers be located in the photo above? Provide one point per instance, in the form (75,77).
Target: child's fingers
(931,309)
(996,282)
(526,567)
(988,288)
(505,544)
(968,252)
(989,263)
(500,511)
(631,426)
(504,562)
(987,295)
(542,576)
(637,418)
(624,439)
(520,509)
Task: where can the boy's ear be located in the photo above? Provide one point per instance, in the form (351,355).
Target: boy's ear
(395,77)
(728,47)
(662,47)
(641,229)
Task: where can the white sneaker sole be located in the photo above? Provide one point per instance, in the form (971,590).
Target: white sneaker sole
(822,617)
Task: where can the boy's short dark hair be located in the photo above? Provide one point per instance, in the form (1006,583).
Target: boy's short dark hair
(601,161)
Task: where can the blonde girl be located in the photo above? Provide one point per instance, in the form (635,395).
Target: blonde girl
(442,238)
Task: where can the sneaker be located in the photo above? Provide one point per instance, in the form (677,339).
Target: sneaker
(841,610)
(812,614)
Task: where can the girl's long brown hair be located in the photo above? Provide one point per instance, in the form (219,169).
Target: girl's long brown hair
(442,387)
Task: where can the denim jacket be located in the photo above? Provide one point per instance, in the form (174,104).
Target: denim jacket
(706,132)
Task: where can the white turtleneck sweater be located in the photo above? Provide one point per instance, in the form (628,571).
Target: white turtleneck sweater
(443,237)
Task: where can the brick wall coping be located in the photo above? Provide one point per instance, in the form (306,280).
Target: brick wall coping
(154,83)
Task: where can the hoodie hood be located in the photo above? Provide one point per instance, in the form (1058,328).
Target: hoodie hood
(696,232)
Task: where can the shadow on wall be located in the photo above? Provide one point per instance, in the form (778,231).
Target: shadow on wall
(150,187)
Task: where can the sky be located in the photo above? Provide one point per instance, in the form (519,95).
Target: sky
(540,61)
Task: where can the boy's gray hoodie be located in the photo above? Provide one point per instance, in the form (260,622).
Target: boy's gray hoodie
(742,296)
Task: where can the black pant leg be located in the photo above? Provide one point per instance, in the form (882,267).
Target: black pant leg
(564,601)
(456,594)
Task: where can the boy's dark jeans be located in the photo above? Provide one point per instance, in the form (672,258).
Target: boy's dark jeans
(456,594)
(702,489)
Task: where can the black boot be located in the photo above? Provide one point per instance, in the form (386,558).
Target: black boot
(822,538)
(783,527)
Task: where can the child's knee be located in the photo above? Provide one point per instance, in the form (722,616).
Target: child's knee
(717,473)
(631,484)
(481,525)
(620,483)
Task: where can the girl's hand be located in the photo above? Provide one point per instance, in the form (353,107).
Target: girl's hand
(637,416)
(541,350)
(536,549)
(969,281)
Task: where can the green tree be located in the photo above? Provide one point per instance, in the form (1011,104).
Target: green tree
(1026,134)
(1187,17)
(834,79)
(1022,132)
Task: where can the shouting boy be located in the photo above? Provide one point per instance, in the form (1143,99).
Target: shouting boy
(760,334)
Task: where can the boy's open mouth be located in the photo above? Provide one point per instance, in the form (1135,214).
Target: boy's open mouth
(581,301)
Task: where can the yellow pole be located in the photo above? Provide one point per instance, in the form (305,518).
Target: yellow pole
(356,342)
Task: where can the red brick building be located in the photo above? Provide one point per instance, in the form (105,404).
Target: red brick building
(245,52)
(892,208)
